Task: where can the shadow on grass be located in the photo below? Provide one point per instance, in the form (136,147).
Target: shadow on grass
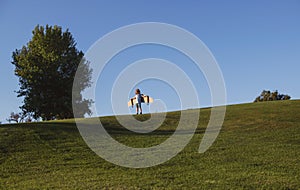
(112,125)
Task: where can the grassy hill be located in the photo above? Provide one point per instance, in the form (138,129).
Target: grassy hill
(258,148)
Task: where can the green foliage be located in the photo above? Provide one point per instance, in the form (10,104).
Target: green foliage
(267,95)
(257,148)
(15,117)
(46,68)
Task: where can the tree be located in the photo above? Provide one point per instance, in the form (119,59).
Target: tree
(14,117)
(267,95)
(46,67)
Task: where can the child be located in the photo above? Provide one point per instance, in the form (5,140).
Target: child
(138,98)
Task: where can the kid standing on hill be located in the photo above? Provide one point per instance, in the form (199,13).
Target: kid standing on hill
(138,98)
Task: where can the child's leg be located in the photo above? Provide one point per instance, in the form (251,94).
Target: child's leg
(137,108)
(141,111)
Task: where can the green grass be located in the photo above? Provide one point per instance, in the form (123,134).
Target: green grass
(258,148)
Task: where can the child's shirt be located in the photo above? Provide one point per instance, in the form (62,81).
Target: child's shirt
(138,98)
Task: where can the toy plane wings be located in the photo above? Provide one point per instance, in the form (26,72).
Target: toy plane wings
(145,99)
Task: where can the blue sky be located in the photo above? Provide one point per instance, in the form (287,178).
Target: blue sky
(256,43)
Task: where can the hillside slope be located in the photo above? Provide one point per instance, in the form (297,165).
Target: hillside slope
(258,148)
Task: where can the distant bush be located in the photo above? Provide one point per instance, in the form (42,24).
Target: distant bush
(267,95)
(16,117)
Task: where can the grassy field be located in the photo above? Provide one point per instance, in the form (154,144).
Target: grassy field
(258,148)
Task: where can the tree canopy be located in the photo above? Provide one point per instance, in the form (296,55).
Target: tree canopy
(46,68)
(267,95)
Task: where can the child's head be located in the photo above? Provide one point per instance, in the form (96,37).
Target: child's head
(137,91)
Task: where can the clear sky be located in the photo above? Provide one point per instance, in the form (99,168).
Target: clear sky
(256,43)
